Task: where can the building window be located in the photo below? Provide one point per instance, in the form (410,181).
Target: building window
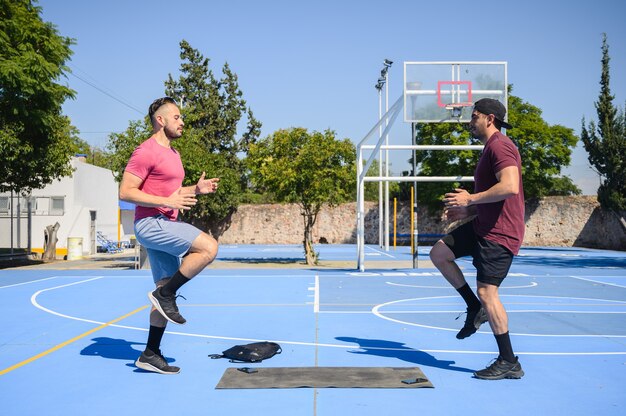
(4,205)
(41,206)
(57,205)
(24,204)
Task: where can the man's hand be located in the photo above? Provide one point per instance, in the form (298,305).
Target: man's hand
(457,213)
(181,200)
(206,186)
(458,198)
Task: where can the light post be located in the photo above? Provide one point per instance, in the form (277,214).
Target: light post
(379,86)
(384,73)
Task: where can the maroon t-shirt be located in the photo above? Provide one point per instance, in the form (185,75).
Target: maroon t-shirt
(501,222)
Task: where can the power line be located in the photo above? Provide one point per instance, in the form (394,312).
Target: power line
(107,94)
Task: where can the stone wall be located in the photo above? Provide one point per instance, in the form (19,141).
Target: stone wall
(573,221)
(553,221)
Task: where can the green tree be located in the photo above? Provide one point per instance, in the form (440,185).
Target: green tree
(372,188)
(544,150)
(121,145)
(440,163)
(35,138)
(605,142)
(94,155)
(213,109)
(310,169)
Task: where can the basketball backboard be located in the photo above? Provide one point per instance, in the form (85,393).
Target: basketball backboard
(440,92)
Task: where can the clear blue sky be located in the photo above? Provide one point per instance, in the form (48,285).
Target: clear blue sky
(315,64)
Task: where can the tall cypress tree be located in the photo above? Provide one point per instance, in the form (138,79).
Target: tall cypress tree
(606,142)
(213,110)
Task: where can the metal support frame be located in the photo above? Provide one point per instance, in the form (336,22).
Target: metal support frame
(389,118)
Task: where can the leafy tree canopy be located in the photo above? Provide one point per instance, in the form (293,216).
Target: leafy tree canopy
(36,140)
(310,169)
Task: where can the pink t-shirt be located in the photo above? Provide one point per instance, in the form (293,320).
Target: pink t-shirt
(162,173)
(501,222)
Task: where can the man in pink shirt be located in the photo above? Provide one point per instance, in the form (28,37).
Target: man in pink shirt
(492,237)
(177,251)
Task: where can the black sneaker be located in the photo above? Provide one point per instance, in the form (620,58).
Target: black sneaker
(473,321)
(166,305)
(155,363)
(500,369)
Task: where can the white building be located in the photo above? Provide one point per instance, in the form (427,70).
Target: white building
(83,204)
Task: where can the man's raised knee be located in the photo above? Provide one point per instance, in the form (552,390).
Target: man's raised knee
(439,254)
(205,245)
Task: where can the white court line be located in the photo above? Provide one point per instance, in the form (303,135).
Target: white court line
(532,284)
(33,300)
(29,282)
(416,274)
(380,252)
(603,275)
(599,282)
(304,343)
(316,302)
(376,312)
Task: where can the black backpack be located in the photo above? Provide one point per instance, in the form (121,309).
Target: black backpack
(250,353)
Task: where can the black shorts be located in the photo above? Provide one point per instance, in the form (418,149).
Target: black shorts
(492,260)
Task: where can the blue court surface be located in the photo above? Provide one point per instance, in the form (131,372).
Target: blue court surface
(69,338)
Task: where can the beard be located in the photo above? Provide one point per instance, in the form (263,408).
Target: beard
(172,133)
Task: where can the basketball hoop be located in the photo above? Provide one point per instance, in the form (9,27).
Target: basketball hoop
(456,109)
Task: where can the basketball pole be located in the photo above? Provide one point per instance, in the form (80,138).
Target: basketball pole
(414,236)
(387,157)
(395,221)
(380,165)
(412,219)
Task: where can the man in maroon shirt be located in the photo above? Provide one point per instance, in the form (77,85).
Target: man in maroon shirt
(492,237)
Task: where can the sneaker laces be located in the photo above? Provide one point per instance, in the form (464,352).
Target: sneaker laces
(492,362)
(466,312)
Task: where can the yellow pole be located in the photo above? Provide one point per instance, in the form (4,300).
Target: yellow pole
(395,209)
(412,219)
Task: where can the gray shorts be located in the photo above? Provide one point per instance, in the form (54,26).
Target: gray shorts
(166,242)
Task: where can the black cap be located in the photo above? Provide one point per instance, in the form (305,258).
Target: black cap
(490,106)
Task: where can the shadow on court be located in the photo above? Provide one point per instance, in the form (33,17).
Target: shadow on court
(391,349)
(113,348)
(117,349)
(571,262)
(269,260)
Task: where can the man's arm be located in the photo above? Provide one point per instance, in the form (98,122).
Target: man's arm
(507,186)
(204,186)
(130,192)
